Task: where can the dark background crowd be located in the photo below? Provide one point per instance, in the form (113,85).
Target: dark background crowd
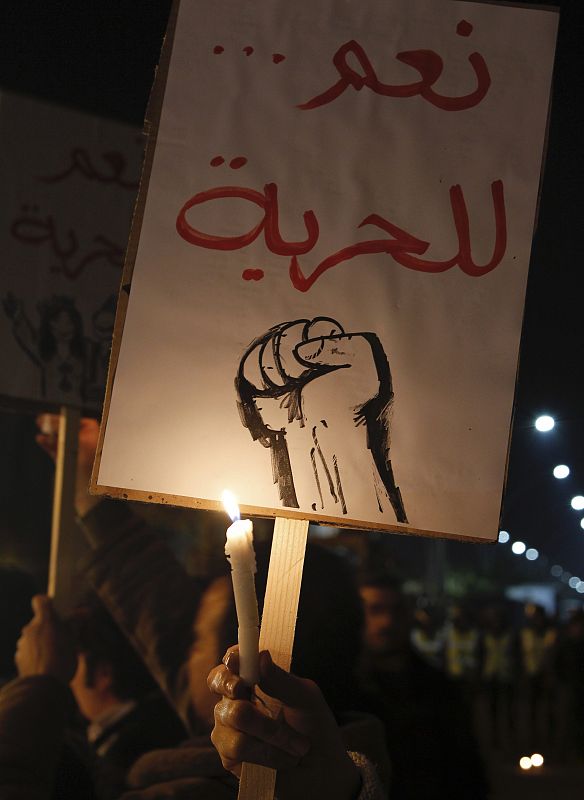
(463,684)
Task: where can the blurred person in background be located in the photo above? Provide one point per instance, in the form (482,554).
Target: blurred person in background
(499,662)
(433,753)
(42,756)
(17,589)
(462,650)
(427,637)
(127,714)
(537,643)
(569,668)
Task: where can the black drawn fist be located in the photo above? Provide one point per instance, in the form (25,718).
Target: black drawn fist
(308,387)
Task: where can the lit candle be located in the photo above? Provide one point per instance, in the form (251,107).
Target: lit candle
(241,555)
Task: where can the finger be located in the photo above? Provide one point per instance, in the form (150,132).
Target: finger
(21,639)
(235,747)
(224,682)
(246,718)
(322,326)
(231,659)
(42,607)
(291,690)
(285,344)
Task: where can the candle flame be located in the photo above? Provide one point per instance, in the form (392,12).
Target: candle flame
(230,504)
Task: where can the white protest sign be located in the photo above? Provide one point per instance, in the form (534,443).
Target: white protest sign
(328,289)
(69,182)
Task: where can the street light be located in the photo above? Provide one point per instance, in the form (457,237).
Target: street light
(518,548)
(561,471)
(532,554)
(544,423)
(577,502)
(504,536)
(556,571)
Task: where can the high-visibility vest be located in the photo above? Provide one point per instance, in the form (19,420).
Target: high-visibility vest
(498,661)
(430,647)
(535,646)
(461,652)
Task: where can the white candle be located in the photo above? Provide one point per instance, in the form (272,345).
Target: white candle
(239,550)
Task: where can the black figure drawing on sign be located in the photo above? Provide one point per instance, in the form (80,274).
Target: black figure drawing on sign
(307,387)
(57,346)
(72,367)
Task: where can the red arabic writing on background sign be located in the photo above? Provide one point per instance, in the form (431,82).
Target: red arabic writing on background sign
(31,229)
(81,162)
(402,246)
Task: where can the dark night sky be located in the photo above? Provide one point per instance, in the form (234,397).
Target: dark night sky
(101,56)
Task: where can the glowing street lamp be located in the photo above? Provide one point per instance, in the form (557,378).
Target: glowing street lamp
(504,536)
(532,554)
(577,502)
(518,548)
(544,423)
(561,471)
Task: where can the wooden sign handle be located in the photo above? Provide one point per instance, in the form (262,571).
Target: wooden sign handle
(63,521)
(277,631)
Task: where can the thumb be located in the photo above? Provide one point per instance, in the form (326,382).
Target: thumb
(289,689)
(334,351)
(42,607)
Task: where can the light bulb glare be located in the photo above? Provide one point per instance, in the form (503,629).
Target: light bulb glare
(561,471)
(544,423)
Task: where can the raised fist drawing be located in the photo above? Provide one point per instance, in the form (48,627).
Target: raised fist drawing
(320,399)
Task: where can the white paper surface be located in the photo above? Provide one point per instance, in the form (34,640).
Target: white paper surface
(449,328)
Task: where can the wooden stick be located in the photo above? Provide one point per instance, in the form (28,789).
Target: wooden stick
(63,521)
(277,631)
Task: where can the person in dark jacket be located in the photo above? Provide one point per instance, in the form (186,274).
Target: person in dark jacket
(432,749)
(126,712)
